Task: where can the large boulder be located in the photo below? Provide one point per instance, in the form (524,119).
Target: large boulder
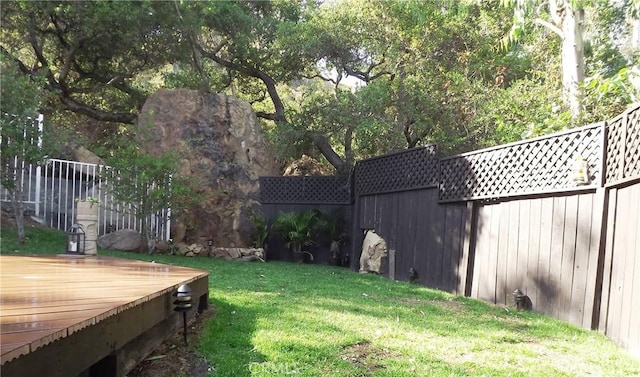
(223,150)
(306,165)
(82,154)
(124,240)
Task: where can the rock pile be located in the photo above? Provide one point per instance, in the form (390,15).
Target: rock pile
(192,250)
(238,253)
(228,253)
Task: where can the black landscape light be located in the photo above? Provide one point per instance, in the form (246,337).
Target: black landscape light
(518,299)
(75,240)
(183,304)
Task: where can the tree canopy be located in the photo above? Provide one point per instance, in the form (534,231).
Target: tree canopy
(426,72)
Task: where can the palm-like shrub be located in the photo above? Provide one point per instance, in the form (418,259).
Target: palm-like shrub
(330,227)
(260,229)
(296,229)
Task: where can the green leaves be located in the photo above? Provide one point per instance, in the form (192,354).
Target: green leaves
(93,51)
(20,136)
(430,71)
(296,228)
(148,183)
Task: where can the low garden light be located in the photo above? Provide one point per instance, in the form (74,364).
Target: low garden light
(183,304)
(75,240)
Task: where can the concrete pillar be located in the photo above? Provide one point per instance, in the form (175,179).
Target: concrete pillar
(87,217)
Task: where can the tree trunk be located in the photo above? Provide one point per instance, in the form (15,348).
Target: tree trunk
(572,57)
(635,43)
(322,143)
(17,203)
(635,28)
(349,156)
(144,236)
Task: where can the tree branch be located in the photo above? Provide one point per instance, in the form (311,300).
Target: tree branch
(21,66)
(366,75)
(101,115)
(319,76)
(116,82)
(322,143)
(269,82)
(195,53)
(66,64)
(411,142)
(37,49)
(549,26)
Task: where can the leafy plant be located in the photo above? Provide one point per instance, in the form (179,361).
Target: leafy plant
(330,228)
(260,229)
(296,229)
(148,184)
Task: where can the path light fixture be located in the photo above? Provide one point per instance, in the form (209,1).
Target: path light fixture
(75,240)
(183,304)
(518,299)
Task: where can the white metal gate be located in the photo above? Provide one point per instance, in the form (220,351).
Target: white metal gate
(51,191)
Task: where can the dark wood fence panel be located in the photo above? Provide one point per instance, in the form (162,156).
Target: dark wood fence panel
(422,234)
(621,297)
(546,247)
(276,249)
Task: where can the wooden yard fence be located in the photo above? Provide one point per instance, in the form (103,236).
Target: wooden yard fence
(485,223)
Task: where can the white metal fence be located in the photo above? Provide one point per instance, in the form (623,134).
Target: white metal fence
(52,190)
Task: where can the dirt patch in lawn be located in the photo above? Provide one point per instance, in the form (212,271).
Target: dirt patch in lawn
(173,358)
(366,357)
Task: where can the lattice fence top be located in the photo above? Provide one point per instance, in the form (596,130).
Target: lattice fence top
(407,170)
(305,190)
(623,146)
(534,166)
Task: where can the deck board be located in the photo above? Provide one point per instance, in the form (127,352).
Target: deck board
(45,298)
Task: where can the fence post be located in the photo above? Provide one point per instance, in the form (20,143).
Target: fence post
(469,248)
(38,167)
(605,247)
(356,232)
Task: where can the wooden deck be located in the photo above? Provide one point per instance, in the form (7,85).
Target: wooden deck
(47,299)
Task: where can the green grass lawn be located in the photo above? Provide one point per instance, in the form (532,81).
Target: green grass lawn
(279,319)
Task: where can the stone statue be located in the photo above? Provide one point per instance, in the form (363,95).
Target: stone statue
(374,248)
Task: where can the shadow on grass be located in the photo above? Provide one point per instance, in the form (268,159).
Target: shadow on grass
(227,342)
